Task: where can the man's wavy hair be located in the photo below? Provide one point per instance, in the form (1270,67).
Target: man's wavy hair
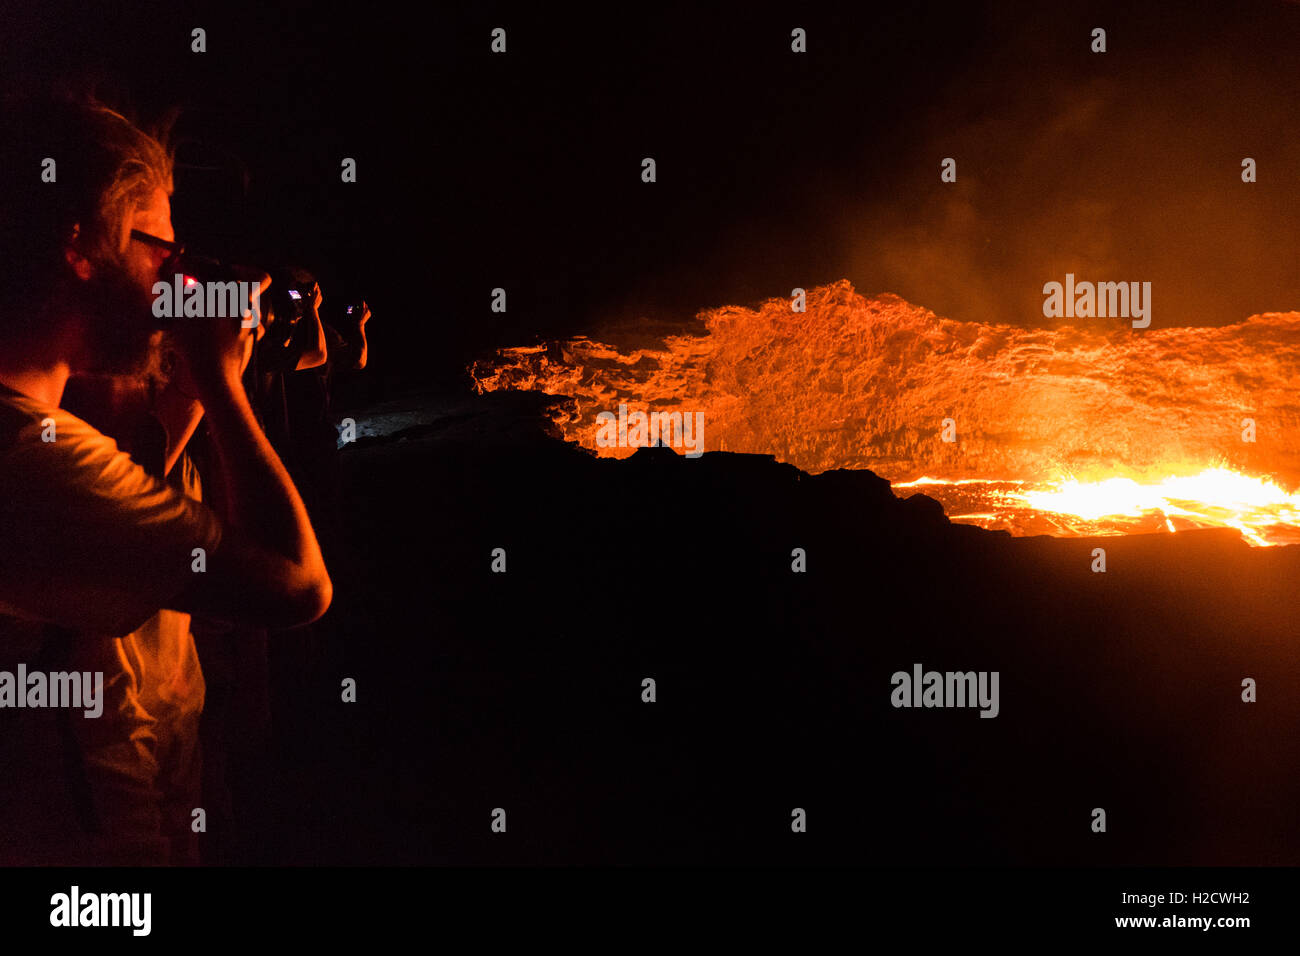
(105,167)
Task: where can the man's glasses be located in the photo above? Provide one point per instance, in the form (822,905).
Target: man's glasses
(174,249)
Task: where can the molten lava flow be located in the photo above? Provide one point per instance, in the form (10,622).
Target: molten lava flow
(1105,429)
(1263,512)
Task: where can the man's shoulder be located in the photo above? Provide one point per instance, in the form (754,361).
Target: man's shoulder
(50,457)
(25,421)
(16,415)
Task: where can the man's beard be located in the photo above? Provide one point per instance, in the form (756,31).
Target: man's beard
(120,332)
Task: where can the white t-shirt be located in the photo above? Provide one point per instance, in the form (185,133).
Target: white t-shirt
(93,551)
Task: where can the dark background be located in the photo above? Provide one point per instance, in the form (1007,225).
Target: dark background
(522,690)
(774,169)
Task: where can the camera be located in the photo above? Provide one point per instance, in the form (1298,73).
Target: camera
(290,297)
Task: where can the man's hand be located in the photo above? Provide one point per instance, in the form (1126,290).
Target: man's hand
(214,351)
(363,353)
(315,350)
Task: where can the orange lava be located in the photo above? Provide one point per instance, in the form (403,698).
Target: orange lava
(1095,428)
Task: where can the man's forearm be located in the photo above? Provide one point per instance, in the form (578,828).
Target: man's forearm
(313,352)
(261,499)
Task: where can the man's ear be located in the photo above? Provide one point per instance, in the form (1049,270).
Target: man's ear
(80,264)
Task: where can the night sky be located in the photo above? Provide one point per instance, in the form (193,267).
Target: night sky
(775,169)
